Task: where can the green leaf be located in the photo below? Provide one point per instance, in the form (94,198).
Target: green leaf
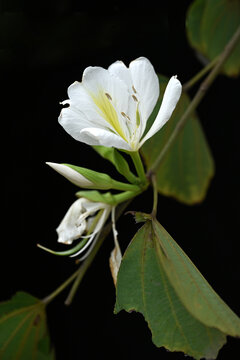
(23,330)
(210,25)
(118,161)
(146,283)
(193,290)
(188,167)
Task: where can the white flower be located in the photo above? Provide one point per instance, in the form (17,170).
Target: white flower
(111,107)
(84,219)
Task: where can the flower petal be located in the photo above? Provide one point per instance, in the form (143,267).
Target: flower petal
(112,98)
(73,121)
(81,100)
(94,136)
(171,96)
(71,175)
(95,234)
(68,230)
(119,69)
(146,85)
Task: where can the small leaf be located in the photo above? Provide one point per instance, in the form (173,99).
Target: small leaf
(188,167)
(210,25)
(145,284)
(23,330)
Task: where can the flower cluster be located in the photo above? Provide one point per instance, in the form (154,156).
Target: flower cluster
(109,109)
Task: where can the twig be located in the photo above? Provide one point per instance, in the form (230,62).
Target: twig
(198,97)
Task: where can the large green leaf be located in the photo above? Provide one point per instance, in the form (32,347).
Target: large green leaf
(210,25)
(188,167)
(23,330)
(147,283)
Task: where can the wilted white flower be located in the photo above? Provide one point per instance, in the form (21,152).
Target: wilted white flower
(111,107)
(84,219)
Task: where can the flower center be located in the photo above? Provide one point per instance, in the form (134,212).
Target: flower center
(106,109)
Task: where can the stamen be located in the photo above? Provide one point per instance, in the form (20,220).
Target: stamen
(134,89)
(108,96)
(134,98)
(125,115)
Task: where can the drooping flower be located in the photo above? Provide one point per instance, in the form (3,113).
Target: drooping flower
(111,107)
(83,220)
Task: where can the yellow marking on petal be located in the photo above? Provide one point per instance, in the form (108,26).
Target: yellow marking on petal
(107,111)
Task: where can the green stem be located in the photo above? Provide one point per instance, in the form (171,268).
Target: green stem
(197,98)
(138,165)
(200,74)
(127,195)
(155,195)
(83,268)
(50,297)
(118,185)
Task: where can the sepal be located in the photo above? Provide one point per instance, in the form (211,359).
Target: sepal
(118,161)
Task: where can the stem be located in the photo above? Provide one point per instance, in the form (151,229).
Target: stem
(198,97)
(83,268)
(200,74)
(50,297)
(118,185)
(124,196)
(106,230)
(138,165)
(155,195)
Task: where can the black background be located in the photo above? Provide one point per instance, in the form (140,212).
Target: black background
(44,48)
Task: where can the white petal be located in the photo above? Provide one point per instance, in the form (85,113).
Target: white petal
(92,206)
(71,175)
(146,84)
(102,219)
(171,96)
(119,69)
(94,235)
(96,79)
(73,121)
(81,100)
(68,230)
(94,136)
(110,95)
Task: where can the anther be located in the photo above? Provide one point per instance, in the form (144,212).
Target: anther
(134,98)
(125,115)
(108,96)
(134,89)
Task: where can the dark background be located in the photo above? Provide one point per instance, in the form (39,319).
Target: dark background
(43,49)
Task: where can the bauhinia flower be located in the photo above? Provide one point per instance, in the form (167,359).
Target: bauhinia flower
(111,107)
(83,220)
